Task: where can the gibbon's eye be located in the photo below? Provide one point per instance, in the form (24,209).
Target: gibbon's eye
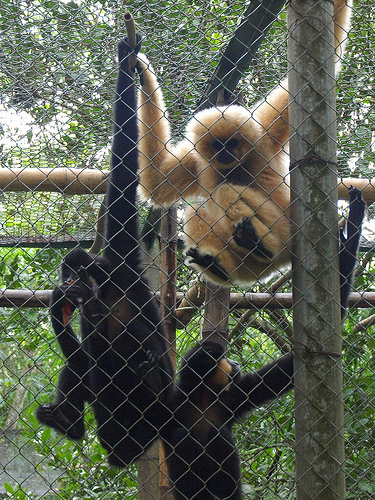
(225,150)
(218,145)
(231,144)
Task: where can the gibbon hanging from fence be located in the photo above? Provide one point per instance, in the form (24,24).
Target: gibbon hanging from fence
(120,320)
(236,160)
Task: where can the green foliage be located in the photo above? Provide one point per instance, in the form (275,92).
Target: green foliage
(15,493)
(359,386)
(355,96)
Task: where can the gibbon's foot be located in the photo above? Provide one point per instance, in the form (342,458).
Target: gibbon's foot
(53,417)
(115,460)
(245,236)
(207,261)
(149,370)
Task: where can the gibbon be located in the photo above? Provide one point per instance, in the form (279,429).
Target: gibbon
(237,161)
(120,320)
(211,395)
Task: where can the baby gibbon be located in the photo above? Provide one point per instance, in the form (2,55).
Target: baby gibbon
(237,161)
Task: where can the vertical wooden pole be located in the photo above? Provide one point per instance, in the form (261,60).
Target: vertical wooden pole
(216,313)
(148,464)
(153,480)
(317,343)
(168,288)
(168,304)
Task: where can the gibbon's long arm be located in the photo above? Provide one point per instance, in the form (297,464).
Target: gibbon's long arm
(264,385)
(349,245)
(272,113)
(166,172)
(122,217)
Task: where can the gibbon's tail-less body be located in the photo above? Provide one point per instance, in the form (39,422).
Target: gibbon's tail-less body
(236,160)
(211,395)
(120,320)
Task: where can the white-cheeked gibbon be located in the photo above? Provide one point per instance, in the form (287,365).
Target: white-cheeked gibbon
(237,161)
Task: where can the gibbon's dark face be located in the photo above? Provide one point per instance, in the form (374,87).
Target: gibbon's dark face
(69,275)
(225,372)
(207,361)
(225,150)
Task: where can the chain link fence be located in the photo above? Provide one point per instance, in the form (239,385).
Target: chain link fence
(58,74)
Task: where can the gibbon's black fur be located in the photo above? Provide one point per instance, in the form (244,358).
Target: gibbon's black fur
(211,394)
(349,245)
(234,159)
(120,320)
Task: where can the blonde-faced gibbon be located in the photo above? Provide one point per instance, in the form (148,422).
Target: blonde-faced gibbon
(236,160)
(120,321)
(211,394)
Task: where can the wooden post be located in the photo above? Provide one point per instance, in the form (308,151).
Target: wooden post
(168,293)
(317,337)
(216,313)
(148,464)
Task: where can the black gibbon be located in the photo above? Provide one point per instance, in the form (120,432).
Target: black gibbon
(236,160)
(211,394)
(120,320)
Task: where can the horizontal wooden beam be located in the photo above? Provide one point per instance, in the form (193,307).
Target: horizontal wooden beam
(54,180)
(89,180)
(41,298)
(42,242)
(367,187)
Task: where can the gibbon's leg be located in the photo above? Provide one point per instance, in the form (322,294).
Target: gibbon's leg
(205,245)
(349,245)
(225,261)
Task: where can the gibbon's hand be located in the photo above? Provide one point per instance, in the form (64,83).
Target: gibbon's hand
(125,50)
(66,298)
(356,215)
(244,235)
(149,370)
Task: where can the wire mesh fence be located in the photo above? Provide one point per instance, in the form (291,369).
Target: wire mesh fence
(214,114)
